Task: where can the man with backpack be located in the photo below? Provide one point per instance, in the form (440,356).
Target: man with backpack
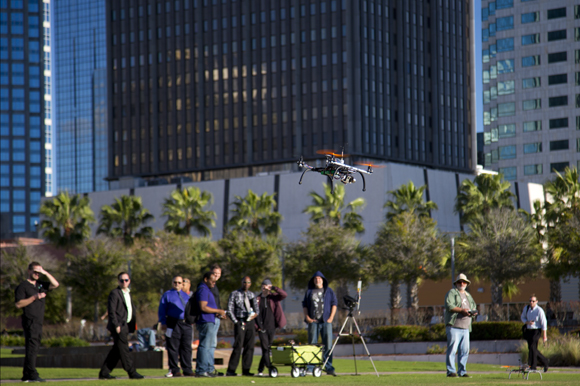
(178,333)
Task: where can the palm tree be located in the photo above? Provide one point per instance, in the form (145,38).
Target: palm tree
(256,214)
(487,191)
(331,206)
(66,224)
(186,206)
(126,219)
(66,220)
(409,199)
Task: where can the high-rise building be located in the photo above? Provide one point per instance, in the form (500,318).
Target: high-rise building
(79,95)
(531,76)
(215,89)
(50,177)
(22,174)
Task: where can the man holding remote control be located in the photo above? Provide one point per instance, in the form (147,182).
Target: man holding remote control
(460,309)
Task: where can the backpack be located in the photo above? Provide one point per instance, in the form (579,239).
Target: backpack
(192,310)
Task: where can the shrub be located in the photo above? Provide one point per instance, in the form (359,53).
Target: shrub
(496,330)
(11,340)
(436,349)
(63,341)
(223,344)
(563,350)
(399,334)
(301,336)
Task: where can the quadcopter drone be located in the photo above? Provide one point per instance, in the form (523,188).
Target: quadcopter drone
(336,169)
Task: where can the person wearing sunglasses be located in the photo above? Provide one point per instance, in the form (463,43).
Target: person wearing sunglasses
(534,318)
(178,333)
(122,322)
(30,296)
(460,309)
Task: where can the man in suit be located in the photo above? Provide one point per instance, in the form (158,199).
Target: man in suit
(122,321)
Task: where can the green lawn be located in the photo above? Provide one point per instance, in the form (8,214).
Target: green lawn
(7,353)
(410,373)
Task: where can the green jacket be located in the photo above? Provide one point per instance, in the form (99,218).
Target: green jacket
(452,300)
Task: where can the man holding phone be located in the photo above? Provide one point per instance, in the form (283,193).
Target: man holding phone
(30,295)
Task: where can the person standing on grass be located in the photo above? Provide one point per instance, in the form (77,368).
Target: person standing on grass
(534,318)
(271,317)
(30,295)
(122,322)
(459,312)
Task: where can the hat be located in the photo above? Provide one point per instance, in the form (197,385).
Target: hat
(266,282)
(462,277)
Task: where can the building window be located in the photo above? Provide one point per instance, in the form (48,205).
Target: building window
(556,13)
(507,152)
(577,12)
(506,109)
(504,45)
(529,61)
(558,123)
(577,79)
(530,170)
(505,88)
(535,147)
(507,131)
(558,101)
(531,17)
(557,57)
(532,126)
(557,79)
(505,66)
(532,104)
(557,35)
(509,174)
(559,145)
(502,4)
(505,23)
(530,39)
(531,82)
(559,167)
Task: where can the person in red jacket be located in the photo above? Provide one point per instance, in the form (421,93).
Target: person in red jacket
(270,317)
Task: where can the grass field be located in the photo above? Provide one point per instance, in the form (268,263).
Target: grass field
(392,373)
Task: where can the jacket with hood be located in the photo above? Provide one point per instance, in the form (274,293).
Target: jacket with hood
(329,297)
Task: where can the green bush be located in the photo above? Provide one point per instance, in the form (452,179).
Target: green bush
(437,333)
(223,344)
(63,341)
(301,336)
(436,349)
(399,334)
(563,350)
(496,330)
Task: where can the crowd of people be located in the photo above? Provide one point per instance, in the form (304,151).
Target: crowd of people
(253,314)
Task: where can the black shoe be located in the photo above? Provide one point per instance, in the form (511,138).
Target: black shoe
(217,373)
(189,374)
(136,376)
(204,375)
(108,376)
(465,376)
(331,372)
(231,374)
(546,366)
(247,374)
(452,375)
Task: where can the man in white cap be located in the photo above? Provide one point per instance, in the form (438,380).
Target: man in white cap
(460,309)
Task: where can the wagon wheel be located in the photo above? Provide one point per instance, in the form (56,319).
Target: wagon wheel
(295,372)
(273,372)
(317,372)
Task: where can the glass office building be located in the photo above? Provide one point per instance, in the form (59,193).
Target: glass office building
(210,89)
(531,87)
(79,95)
(22,174)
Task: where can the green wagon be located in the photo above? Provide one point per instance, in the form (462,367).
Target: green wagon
(299,357)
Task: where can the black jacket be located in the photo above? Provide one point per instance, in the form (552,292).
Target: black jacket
(118,312)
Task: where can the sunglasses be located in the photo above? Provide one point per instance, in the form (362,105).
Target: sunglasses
(124,280)
(177,282)
(533,301)
(247,282)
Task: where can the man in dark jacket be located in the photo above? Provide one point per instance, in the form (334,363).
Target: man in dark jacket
(122,322)
(271,316)
(319,306)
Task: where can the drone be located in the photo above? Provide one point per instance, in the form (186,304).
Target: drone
(336,169)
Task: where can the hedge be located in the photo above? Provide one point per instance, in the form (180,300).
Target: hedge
(63,341)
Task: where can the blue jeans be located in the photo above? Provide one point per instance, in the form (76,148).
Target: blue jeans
(457,342)
(325,331)
(205,350)
(214,333)
(146,338)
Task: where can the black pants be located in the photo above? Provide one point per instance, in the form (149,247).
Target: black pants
(534,356)
(244,339)
(120,351)
(180,344)
(266,338)
(32,334)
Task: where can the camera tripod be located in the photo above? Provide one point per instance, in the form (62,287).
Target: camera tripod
(350,318)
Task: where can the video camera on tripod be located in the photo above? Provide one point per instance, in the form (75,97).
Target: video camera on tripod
(351,303)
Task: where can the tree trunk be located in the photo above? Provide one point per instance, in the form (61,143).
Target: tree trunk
(68,304)
(412,294)
(496,299)
(555,291)
(395,300)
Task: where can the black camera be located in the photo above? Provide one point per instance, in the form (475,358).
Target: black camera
(350,302)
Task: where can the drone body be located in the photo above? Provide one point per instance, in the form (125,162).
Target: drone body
(336,169)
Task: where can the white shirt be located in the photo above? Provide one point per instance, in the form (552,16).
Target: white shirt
(535,315)
(127,297)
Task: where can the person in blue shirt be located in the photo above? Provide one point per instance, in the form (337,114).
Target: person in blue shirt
(178,333)
(204,364)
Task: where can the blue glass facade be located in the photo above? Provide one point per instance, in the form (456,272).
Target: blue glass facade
(79,95)
(21,110)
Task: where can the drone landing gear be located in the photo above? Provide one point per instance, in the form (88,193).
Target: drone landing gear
(331,184)
(304,172)
(364,183)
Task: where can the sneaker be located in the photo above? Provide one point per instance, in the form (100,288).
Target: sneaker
(217,373)
(136,376)
(466,376)
(247,374)
(231,374)
(169,374)
(331,372)
(204,375)
(108,376)
(452,375)
(37,379)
